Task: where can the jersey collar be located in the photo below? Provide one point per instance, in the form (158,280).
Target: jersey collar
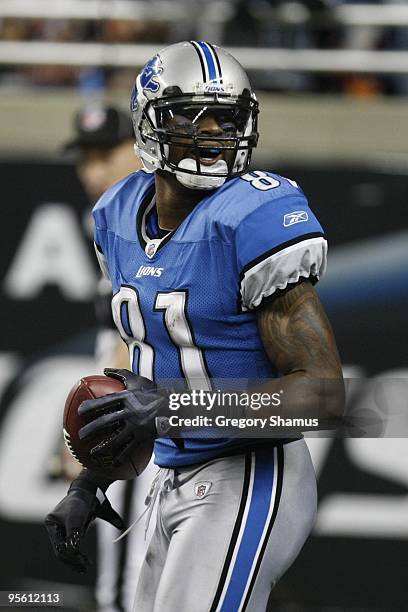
(149,244)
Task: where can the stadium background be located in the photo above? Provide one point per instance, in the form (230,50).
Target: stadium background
(334,117)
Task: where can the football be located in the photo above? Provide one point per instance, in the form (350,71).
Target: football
(90,387)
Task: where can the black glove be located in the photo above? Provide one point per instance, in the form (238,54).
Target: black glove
(70,519)
(128,417)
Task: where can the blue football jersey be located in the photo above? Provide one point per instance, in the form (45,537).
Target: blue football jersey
(186,302)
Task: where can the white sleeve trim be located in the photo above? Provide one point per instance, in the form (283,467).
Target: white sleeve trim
(303,259)
(103,264)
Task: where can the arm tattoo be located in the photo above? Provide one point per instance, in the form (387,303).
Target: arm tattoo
(297,335)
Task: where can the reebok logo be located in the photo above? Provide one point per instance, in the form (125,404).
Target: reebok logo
(148,271)
(298,216)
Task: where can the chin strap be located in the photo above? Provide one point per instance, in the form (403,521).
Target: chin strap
(195,181)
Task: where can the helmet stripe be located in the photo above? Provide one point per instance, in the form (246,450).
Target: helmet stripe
(217,61)
(208,54)
(200,57)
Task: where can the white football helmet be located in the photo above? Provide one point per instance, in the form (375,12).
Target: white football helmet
(180,86)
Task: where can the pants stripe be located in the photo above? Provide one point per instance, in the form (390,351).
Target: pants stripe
(240,534)
(235,533)
(279,462)
(248,543)
(260,502)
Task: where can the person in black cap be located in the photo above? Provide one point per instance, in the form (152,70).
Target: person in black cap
(103,142)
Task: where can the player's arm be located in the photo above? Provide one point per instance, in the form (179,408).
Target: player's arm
(299,341)
(277,271)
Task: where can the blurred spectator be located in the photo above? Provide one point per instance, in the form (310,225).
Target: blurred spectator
(287,24)
(109,31)
(396,39)
(259,24)
(364,38)
(103,143)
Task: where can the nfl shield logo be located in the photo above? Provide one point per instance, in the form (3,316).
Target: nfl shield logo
(201,488)
(151,248)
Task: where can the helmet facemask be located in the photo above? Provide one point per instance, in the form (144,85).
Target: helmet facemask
(171,125)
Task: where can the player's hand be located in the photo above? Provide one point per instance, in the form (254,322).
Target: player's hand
(129,417)
(70,519)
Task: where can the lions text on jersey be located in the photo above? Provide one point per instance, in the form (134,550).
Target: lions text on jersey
(185,302)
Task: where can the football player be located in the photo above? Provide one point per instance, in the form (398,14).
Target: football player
(212,269)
